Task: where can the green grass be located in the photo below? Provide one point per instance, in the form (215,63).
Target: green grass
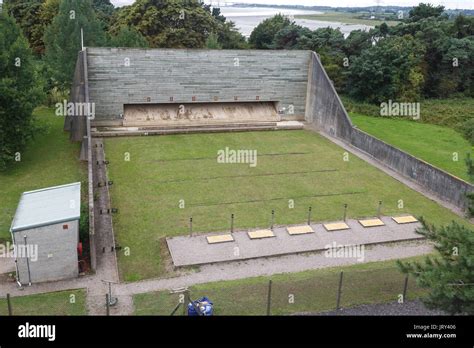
(49,160)
(312,291)
(71,302)
(166,169)
(346,18)
(434,144)
(452,112)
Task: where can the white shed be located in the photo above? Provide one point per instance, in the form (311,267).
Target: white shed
(45,233)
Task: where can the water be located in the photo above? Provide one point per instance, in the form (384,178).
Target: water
(247,18)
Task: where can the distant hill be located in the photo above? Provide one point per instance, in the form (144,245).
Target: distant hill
(384,9)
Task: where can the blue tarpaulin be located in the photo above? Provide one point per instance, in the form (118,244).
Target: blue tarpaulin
(204,305)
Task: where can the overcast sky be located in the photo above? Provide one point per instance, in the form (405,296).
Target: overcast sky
(466,4)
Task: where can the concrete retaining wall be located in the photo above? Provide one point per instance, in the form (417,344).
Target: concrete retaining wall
(325,111)
(80,130)
(74,123)
(120,76)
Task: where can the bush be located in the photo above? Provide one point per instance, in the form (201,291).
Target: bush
(84,223)
(57,95)
(467,129)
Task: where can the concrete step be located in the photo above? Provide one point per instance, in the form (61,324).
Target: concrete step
(187,126)
(130,131)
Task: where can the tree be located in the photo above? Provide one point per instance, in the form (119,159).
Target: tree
(63,38)
(424,11)
(212,42)
(394,69)
(229,37)
(20,91)
(104,10)
(262,35)
(470,172)
(128,37)
(48,10)
(356,42)
(171,23)
(26,14)
(288,37)
(449,277)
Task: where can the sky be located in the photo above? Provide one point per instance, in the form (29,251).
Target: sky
(452,4)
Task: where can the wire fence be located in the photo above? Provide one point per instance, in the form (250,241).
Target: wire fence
(287,294)
(55,303)
(294,293)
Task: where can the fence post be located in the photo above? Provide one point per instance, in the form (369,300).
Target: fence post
(107,305)
(309,216)
(9,304)
(339,291)
(273,219)
(186,302)
(269,297)
(405,287)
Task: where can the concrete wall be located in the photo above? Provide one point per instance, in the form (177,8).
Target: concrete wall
(326,112)
(324,109)
(79,128)
(74,123)
(57,252)
(136,76)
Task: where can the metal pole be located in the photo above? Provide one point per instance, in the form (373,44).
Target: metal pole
(379,209)
(405,287)
(186,302)
(273,219)
(309,216)
(269,297)
(190,226)
(82,39)
(339,291)
(345,211)
(27,262)
(231,223)
(175,308)
(107,305)
(9,305)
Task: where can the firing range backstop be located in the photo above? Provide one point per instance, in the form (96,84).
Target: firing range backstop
(293,82)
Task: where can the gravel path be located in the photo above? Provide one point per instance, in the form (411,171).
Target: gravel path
(96,289)
(273,265)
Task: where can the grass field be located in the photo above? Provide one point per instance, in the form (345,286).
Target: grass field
(310,291)
(50,160)
(451,112)
(434,144)
(292,165)
(71,302)
(345,17)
